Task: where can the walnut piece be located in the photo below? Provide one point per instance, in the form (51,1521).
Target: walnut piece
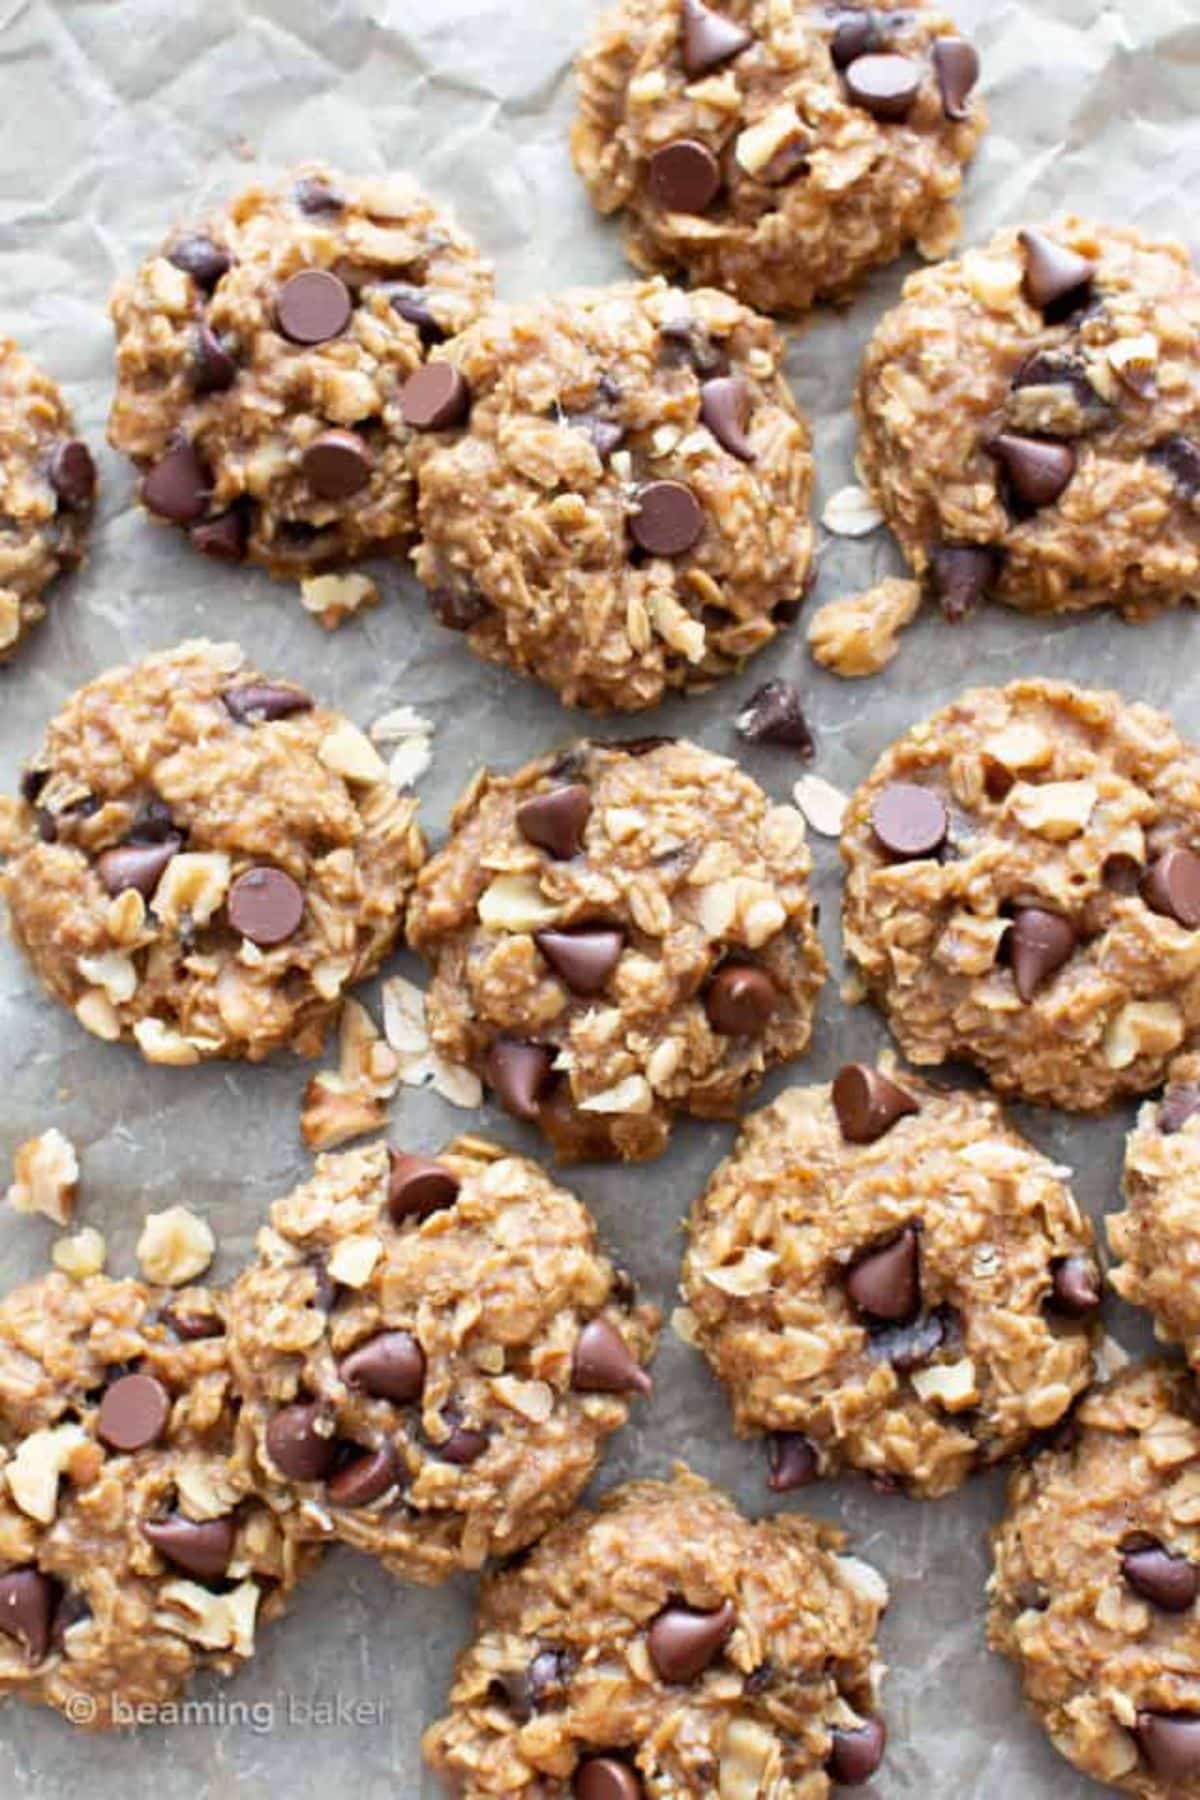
(175,1247)
(45,1177)
(860,634)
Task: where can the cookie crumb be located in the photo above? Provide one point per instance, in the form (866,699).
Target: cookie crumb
(175,1247)
(45,1177)
(859,634)
(82,1255)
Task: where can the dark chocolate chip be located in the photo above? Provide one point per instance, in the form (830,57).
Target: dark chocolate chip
(313,306)
(885,1283)
(32,782)
(909,1347)
(867,1103)
(1168,1581)
(388,1366)
(740,1000)
(1121,873)
(960,576)
(296,1447)
(956,65)
(73,473)
(191,1327)
(265,905)
(1180,457)
(337,464)
(604,1778)
(212,368)
(435,397)
(855,32)
(585,956)
(688,340)
(1170,1742)
(365,1478)
(1057,280)
(604,1364)
(458,609)
(202,1547)
(136,866)
(1171,885)
(223,538)
(202,259)
(685,176)
(463,1446)
(683,1643)
(668,519)
(418,1186)
(412,304)
(855,1754)
(885,85)
(177,486)
(549,1676)
(257,701)
(519,1072)
(133,1412)
(774,715)
(725,409)
(316,197)
(1055,368)
(606,435)
(910,822)
(1179,1102)
(1075,1289)
(1038,469)
(28,1603)
(1038,943)
(709,39)
(793,1462)
(555,820)
(154,822)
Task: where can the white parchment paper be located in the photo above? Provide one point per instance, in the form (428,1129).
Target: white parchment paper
(116,116)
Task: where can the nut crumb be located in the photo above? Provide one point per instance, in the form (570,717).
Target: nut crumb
(175,1247)
(860,634)
(45,1177)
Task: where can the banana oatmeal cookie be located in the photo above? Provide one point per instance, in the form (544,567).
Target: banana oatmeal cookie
(1030,422)
(666,1645)
(1097,1571)
(888,1277)
(262,357)
(47,485)
(133,1551)
(777,148)
(618,933)
(432,1354)
(202,859)
(1157,1237)
(614,490)
(1023,891)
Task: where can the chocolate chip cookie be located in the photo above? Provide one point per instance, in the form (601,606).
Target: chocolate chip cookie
(665,1644)
(1030,420)
(203,858)
(617,934)
(133,1552)
(1157,1237)
(432,1354)
(779,150)
(614,490)
(888,1277)
(1097,1570)
(1023,891)
(262,356)
(47,486)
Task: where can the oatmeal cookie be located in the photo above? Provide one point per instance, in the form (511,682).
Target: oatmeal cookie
(1097,1571)
(202,859)
(1021,891)
(614,491)
(619,933)
(1157,1237)
(777,148)
(133,1552)
(47,485)
(1030,420)
(261,360)
(432,1354)
(667,1645)
(888,1277)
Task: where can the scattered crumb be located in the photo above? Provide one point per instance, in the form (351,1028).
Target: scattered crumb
(851,512)
(420,1064)
(45,1177)
(823,805)
(80,1256)
(860,634)
(332,598)
(175,1247)
(409,740)
(349,1101)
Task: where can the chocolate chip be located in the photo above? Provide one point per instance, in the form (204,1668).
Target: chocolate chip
(585,957)
(708,39)
(885,1283)
(389,1366)
(604,1364)
(856,1753)
(1055,368)
(133,1412)
(604,1778)
(28,1602)
(191,1327)
(33,780)
(177,486)
(435,397)
(316,197)
(223,538)
(1057,280)
(685,176)
(910,822)
(725,409)
(1180,457)
(519,1073)
(867,1103)
(682,1642)
(1075,1290)
(1179,1102)
(313,307)
(1121,873)
(740,1000)
(793,1462)
(418,1186)
(364,1479)
(463,1446)
(411,304)
(1038,469)
(136,866)
(668,518)
(688,340)
(960,576)
(1169,1582)
(774,715)
(212,369)
(296,1447)
(555,821)
(886,85)
(257,701)
(1170,1742)
(458,609)
(201,1547)
(1171,885)
(265,905)
(1038,942)
(909,1347)
(73,473)
(956,65)
(855,32)
(549,1676)
(202,259)
(337,464)
(605,434)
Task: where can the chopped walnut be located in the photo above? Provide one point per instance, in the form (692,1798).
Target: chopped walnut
(82,1255)
(45,1177)
(175,1247)
(859,634)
